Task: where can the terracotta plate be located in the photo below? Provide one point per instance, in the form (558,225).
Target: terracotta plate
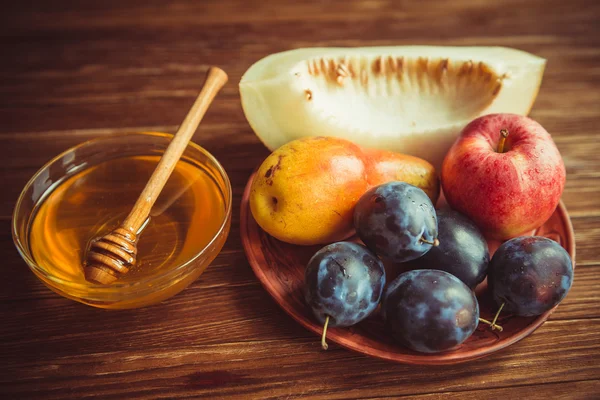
(280,268)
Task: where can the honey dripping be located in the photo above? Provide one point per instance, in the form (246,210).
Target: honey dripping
(187,214)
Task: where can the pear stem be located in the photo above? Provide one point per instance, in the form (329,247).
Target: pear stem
(504,135)
(435,242)
(324,344)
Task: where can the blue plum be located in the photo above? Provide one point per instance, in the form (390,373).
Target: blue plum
(396,220)
(463,251)
(343,283)
(530,275)
(430,310)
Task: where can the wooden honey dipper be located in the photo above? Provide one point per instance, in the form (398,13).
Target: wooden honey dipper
(114,254)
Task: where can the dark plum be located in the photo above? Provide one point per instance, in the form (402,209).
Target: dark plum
(343,284)
(529,275)
(430,310)
(462,251)
(396,220)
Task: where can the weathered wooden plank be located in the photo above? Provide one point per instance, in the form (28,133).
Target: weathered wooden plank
(240,151)
(155,14)
(560,351)
(587,234)
(556,391)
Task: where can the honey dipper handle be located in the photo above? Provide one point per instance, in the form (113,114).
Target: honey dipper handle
(215,80)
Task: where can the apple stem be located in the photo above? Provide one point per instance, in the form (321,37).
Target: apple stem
(323,342)
(435,242)
(493,322)
(504,135)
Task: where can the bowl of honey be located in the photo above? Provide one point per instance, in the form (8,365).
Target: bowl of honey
(89,189)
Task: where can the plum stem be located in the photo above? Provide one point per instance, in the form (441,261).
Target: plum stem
(490,323)
(323,342)
(497,315)
(493,322)
(435,242)
(504,135)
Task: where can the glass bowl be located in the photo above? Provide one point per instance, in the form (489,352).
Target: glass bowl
(128,293)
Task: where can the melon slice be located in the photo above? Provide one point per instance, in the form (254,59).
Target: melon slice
(410,99)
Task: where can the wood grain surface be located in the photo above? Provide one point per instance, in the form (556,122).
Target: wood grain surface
(75,70)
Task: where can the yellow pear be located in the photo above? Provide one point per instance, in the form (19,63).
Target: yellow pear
(305,191)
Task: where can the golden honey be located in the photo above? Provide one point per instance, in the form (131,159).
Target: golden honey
(189,212)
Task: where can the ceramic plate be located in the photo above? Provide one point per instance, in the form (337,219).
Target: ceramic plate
(280,268)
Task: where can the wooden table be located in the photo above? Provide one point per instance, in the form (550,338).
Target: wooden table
(73,71)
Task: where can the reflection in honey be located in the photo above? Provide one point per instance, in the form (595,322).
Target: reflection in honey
(185,218)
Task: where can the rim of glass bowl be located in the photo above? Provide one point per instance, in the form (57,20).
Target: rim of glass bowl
(139,287)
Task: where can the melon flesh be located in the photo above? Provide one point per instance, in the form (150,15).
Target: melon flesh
(410,99)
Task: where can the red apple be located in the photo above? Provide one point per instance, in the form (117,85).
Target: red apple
(504,172)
